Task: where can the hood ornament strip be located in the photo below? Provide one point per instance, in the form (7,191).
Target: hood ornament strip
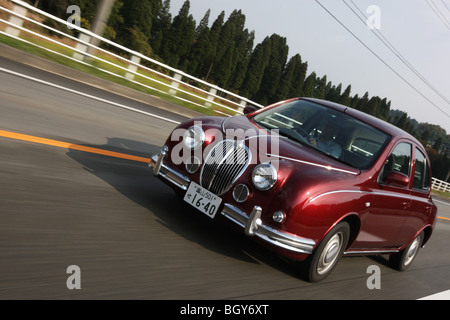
(355,173)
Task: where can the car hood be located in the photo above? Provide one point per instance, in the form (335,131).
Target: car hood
(288,149)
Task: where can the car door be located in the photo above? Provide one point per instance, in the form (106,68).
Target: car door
(383,222)
(421,205)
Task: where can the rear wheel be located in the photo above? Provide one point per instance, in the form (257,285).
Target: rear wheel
(402,260)
(326,256)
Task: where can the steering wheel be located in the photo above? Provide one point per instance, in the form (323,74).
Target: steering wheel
(302,132)
(292,133)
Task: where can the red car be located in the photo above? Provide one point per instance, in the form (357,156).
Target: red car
(310,179)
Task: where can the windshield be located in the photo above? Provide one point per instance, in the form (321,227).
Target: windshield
(327,130)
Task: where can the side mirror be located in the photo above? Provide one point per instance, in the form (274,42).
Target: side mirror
(250,109)
(397,179)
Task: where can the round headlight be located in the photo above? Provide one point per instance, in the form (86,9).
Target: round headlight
(194,137)
(264,176)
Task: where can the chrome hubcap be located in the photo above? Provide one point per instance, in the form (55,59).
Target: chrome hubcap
(330,254)
(412,251)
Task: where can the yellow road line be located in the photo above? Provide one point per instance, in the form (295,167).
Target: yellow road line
(70,146)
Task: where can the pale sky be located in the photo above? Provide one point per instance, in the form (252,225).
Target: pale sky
(420,34)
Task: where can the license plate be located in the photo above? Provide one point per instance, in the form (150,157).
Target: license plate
(202,199)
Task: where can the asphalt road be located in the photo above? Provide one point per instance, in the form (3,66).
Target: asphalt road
(130,236)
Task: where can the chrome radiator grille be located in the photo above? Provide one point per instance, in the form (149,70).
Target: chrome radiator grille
(223,166)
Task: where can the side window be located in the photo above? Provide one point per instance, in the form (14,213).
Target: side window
(421,172)
(399,160)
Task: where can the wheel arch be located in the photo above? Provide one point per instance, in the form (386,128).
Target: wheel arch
(354,222)
(427,231)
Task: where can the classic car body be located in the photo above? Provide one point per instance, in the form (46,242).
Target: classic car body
(270,173)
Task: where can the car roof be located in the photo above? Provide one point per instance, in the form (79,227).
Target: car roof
(367,118)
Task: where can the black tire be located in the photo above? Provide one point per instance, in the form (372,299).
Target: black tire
(327,254)
(402,260)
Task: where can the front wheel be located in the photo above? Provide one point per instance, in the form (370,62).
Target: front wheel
(325,257)
(402,260)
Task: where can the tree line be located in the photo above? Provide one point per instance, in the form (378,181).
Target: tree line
(223,51)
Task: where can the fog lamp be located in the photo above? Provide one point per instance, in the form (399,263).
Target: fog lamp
(279,217)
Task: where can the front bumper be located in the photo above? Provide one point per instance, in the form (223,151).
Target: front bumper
(251,223)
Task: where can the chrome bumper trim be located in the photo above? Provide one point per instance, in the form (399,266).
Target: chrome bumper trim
(252,224)
(160,169)
(254,227)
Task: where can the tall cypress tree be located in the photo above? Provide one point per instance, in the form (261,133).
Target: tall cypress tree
(299,80)
(345,97)
(255,72)
(308,87)
(288,77)
(354,101)
(319,89)
(161,27)
(138,17)
(363,102)
(244,50)
(210,57)
(228,53)
(203,26)
(333,93)
(180,38)
(385,109)
(373,106)
(278,51)
(201,48)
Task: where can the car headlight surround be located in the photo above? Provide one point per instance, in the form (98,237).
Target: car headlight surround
(194,137)
(264,176)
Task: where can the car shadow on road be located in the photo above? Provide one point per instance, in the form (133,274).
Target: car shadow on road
(134,180)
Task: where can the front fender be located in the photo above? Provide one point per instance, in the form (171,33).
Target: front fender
(317,215)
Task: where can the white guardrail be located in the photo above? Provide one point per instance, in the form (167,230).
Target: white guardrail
(440,185)
(25,23)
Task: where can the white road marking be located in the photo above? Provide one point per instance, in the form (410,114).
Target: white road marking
(444,295)
(435,200)
(88,95)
